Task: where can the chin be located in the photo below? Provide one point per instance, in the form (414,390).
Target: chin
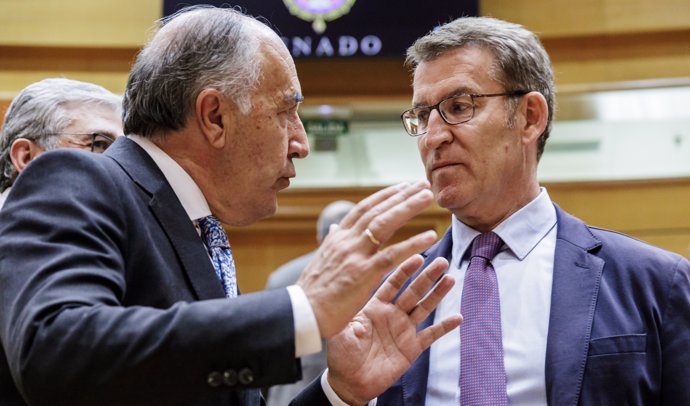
(267,208)
(251,212)
(448,197)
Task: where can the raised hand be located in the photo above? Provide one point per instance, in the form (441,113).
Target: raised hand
(382,340)
(349,264)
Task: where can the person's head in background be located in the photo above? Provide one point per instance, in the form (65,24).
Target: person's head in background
(56,113)
(331,214)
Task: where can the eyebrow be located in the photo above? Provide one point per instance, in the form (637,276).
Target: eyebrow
(455,92)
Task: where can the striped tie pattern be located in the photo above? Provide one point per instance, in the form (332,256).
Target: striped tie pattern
(221,255)
(482,372)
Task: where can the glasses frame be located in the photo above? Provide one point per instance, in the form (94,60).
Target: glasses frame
(514,93)
(92,135)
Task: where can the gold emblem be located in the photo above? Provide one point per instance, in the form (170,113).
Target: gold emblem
(319,11)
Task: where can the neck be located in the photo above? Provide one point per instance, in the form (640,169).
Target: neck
(501,208)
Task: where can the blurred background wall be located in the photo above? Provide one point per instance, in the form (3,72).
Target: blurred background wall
(619,156)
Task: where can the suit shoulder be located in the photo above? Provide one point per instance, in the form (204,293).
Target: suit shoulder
(623,253)
(625,243)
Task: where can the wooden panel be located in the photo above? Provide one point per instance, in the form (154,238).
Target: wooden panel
(625,57)
(566,18)
(77,23)
(635,206)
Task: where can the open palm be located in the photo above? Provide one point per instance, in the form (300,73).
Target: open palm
(382,341)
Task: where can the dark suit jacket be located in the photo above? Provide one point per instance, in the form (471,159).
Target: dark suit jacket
(619,327)
(313,364)
(108,296)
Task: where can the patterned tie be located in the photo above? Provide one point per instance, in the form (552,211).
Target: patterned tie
(482,373)
(221,255)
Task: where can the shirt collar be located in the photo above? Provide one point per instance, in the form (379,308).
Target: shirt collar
(189,194)
(3,196)
(521,232)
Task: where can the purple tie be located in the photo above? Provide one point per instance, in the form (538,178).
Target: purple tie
(219,250)
(482,373)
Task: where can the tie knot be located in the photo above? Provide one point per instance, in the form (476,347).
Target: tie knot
(212,232)
(486,245)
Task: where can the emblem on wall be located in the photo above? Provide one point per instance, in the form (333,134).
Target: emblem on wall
(319,11)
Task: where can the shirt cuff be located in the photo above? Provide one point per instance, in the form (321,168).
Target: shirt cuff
(330,393)
(332,396)
(307,336)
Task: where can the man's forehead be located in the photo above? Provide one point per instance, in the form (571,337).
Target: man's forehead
(463,70)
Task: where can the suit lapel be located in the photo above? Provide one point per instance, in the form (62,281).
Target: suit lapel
(576,279)
(171,216)
(414,381)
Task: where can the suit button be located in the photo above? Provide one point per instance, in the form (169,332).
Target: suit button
(230,378)
(246,376)
(214,379)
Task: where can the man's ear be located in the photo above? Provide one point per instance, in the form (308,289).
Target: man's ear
(22,151)
(536,114)
(210,107)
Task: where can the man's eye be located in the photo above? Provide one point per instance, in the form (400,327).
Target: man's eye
(458,106)
(422,115)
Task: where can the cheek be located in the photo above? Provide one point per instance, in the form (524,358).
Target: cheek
(423,150)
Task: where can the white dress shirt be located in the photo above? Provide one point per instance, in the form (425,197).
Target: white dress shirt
(307,336)
(524,270)
(3,196)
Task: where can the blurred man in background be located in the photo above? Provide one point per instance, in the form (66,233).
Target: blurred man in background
(56,113)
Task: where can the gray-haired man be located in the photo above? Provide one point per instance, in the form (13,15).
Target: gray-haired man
(113,296)
(56,113)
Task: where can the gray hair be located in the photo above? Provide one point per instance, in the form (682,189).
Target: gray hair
(195,49)
(332,214)
(521,63)
(37,113)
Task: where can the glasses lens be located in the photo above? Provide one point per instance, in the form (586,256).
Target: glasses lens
(457,110)
(100,143)
(415,120)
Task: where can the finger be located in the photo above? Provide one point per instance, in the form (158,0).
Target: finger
(389,257)
(401,196)
(384,220)
(391,287)
(369,202)
(405,192)
(421,285)
(432,333)
(427,305)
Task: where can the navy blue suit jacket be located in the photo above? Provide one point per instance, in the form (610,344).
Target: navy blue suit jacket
(619,326)
(108,296)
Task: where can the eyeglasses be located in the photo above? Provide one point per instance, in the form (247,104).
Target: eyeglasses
(98,142)
(454,110)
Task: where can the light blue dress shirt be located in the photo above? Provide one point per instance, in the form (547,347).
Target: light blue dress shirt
(524,269)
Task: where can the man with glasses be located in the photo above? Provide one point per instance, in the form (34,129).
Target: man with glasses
(56,113)
(555,312)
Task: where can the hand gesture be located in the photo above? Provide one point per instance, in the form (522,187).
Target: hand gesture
(349,264)
(382,341)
